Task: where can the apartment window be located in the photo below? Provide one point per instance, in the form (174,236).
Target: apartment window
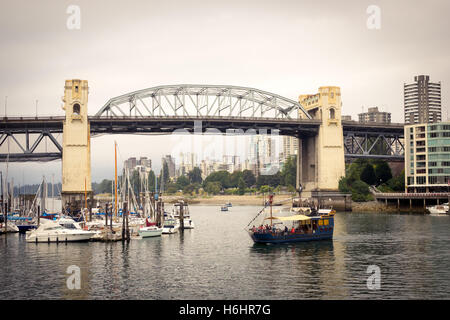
(421,180)
(420,157)
(445,163)
(432,164)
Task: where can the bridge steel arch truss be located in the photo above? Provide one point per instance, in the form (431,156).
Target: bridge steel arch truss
(188,100)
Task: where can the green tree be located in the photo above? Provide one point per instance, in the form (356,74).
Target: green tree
(344,185)
(368,174)
(172,188)
(265,189)
(234,178)
(182,182)
(195,175)
(249,178)
(241,186)
(220,176)
(289,172)
(382,172)
(213,187)
(360,191)
(151,181)
(189,189)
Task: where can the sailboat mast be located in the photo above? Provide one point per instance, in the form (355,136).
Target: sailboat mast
(115,181)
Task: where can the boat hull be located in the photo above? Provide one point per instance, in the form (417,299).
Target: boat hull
(60,238)
(24,228)
(170,230)
(150,233)
(289,238)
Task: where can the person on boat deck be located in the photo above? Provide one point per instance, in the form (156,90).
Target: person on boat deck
(286,229)
(292,230)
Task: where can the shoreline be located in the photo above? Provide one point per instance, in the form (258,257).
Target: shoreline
(285,200)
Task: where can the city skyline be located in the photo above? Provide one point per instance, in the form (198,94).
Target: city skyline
(370,66)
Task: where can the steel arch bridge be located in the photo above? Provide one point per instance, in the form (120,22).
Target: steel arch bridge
(189,100)
(163,109)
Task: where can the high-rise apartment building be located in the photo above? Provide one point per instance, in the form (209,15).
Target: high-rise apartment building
(374,116)
(422,101)
(290,147)
(170,164)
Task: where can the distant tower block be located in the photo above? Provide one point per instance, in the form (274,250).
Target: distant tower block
(76,160)
(321,157)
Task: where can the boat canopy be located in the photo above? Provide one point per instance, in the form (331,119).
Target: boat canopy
(297,217)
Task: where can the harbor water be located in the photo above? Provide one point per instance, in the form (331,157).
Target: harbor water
(218,260)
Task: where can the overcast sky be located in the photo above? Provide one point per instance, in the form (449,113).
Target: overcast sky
(284,47)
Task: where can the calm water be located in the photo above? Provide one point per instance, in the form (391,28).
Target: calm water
(218,260)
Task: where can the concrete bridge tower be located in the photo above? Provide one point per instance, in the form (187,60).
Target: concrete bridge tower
(321,159)
(76,159)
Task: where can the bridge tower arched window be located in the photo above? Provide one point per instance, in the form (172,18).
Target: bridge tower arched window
(76,109)
(332,113)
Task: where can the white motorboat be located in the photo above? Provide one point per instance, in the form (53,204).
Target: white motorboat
(438,209)
(50,231)
(152,231)
(171,225)
(10,227)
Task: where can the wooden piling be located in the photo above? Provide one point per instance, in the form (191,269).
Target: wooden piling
(106,215)
(181,215)
(124,209)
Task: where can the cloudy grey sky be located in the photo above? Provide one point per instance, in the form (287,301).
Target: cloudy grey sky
(285,47)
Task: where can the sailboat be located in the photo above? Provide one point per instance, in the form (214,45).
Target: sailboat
(150,229)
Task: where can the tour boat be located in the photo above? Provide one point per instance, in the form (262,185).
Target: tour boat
(317,225)
(224,208)
(229,204)
(171,226)
(50,231)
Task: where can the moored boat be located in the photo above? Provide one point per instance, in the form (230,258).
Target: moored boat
(224,208)
(188,223)
(439,209)
(50,231)
(171,225)
(151,231)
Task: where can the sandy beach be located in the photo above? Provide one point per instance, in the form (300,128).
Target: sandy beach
(249,200)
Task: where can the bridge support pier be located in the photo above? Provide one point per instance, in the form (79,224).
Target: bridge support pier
(76,160)
(320,160)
